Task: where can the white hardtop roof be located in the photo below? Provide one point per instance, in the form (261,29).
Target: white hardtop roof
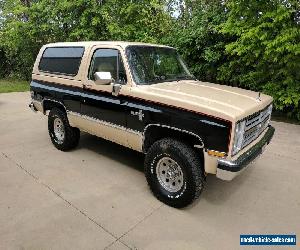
(95,43)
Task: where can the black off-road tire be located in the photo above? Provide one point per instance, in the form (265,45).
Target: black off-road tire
(71,135)
(190,164)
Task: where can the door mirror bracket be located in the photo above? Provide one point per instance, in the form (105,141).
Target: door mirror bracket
(116,87)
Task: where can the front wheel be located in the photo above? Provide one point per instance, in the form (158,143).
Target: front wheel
(174,172)
(63,136)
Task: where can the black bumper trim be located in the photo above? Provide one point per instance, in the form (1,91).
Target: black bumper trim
(247,157)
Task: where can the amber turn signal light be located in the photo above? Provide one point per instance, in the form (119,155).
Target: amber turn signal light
(216,153)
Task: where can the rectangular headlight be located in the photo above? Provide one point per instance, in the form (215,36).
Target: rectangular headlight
(238,137)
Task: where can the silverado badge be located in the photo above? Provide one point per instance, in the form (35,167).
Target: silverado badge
(139,113)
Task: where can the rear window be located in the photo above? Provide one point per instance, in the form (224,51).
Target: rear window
(63,60)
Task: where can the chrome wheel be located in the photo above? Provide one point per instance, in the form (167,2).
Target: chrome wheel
(59,129)
(169,174)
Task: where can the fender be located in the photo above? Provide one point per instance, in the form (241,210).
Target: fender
(197,137)
(56,103)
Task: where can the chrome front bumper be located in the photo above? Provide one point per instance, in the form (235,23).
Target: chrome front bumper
(227,169)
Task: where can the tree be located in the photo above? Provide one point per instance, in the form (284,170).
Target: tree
(136,20)
(265,54)
(252,44)
(27,25)
(197,37)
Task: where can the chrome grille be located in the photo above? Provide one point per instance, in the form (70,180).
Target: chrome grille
(255,125)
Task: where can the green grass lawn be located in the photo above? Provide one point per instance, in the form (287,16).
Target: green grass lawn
(11,85)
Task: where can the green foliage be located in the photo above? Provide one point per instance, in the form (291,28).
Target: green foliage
(196,36)
(137,20)
(28,26)
(3,63)
(11,85)
(252,44)
(265,54)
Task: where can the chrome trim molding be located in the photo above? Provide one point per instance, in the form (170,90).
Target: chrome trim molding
(89,118)
(255,125)
(75,93)
(41,103)
(51,100)
(177,129)
(232,168)
(105,123)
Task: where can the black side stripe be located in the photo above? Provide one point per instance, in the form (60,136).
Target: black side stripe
(71,92)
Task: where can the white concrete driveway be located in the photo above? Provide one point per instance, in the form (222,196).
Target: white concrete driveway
(96,196)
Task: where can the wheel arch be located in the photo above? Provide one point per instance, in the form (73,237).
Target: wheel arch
(49,104)
(154,132)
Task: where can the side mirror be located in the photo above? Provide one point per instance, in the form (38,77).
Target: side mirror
(103,78)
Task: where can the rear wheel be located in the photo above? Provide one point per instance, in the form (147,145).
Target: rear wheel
(174,172)
(63,136)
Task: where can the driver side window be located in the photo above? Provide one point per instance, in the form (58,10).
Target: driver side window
(108,60)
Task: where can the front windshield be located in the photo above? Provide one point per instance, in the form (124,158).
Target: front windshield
(151,65)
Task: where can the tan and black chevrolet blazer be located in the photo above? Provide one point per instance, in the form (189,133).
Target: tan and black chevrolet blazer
(142,96)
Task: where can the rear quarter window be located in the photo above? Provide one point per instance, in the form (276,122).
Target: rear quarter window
(61,60)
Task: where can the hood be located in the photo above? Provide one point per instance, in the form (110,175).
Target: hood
(221,101)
